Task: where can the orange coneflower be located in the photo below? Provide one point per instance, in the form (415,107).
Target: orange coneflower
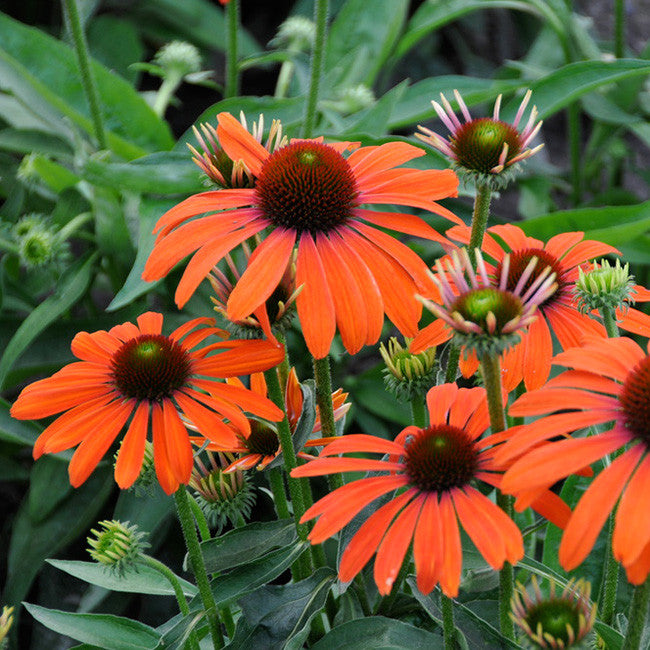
(307,194)
(261,445)
(137,371)
(435,470)
(609,381)
(530,360)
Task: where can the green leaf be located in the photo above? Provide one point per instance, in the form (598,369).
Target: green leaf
(241,545)
(254,574)
(49,487)
(374,121)
(150,210)
(375,30)
(140,580)
(17,431)
(72,287)
(433,14)
(614,225)
(11,470)
(278,616)
(34,141)
(380,633)
(166,172)
(613,638)
(103,630)
(305,425)
(111,230)
(42,73)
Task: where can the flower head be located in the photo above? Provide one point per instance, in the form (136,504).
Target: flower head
(604,287)
(436,471)
(487,147)
(557,313)
(608,381)
(178,58)
(308,197)
(559,621)
(261,446)
(134,372)
(116,545)
(408,375)
(487,314)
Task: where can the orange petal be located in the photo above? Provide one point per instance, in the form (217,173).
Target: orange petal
(131,454)
(208,423)
(439,401)
(538,350)
(239,144)
(248,400)
(179,448)
(428,544)
(453,553)
(433,334)
(168,482)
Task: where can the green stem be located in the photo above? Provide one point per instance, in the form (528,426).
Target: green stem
(232,72)
(479,217)
(453,358)
(637,617)
(198,565)
(165,93)
(199,517)
(87,79)
(285,74)
(491,369)
(323,379)
(285,366)
(418,413)
(321,11)
(183,607)
(574,131)
(609,585)
(276,481)
(448,627)
(301,568)
(619,29)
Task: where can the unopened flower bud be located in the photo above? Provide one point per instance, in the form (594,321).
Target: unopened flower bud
(604,286)
(116,545)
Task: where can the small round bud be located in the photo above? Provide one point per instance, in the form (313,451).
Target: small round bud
(6,619)
(116,545)
(408,375)
(179,58)
(558,621)
(297,33)
(604,286)
(222,497)
(356,98)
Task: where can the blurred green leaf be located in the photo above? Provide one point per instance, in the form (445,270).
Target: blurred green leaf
(241,545)
(49,486)
(374,120)
(378,632)
(166,172)
(34,141)
(140,580)
(104,630)
(12,470)
(71,288)
(16,431)
(278,616)
(375,31)
(42,72)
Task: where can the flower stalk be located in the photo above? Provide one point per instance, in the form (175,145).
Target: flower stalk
(321,12)
(637,617)
(232,71)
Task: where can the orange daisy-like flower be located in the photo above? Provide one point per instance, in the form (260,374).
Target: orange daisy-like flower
(609,381)
(307,194)
(134,371)
(261,445)
(434,471)
(530,360)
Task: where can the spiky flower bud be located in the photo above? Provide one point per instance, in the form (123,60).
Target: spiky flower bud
(559,621)
(407,375)
(6,619)
(117,545)
(178,58)
(604,286)
(297,33)
(38,242)
(222,497)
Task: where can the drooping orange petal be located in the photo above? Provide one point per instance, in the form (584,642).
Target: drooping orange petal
(96,443)
(465,404)
(362,443)
(585,250)
(462,234)
(570,326)
(263,274)
(239,144)
(514,237)
(550,505)
(179,448)
(168,482)
(637,572)
(393,547)
(367,538)
(634,321)
(225,409)
(248,400)
(453,553)
(150,322)
(632,531)
(125,331)
(315,304)
(594,507)
(538,350)
(322,466)
(243,358)
(207,257)
(433,334)
(439,401)
(370,160)
(207,422)
(406,223)
(181,331)
(91,347)
(428,544)
(512,365)
(348,300)
(131,454)
(546,400)
(584,379)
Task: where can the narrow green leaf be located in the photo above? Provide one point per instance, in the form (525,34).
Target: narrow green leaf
(378,632)
(244,544)
(166,172)
(144,580)
(104,630)
(72,287)
(17,431)
(374,121)
(12,470)
(613,638)
(31,140)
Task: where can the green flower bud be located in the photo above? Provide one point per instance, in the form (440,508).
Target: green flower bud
(604,286)
(116,545)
